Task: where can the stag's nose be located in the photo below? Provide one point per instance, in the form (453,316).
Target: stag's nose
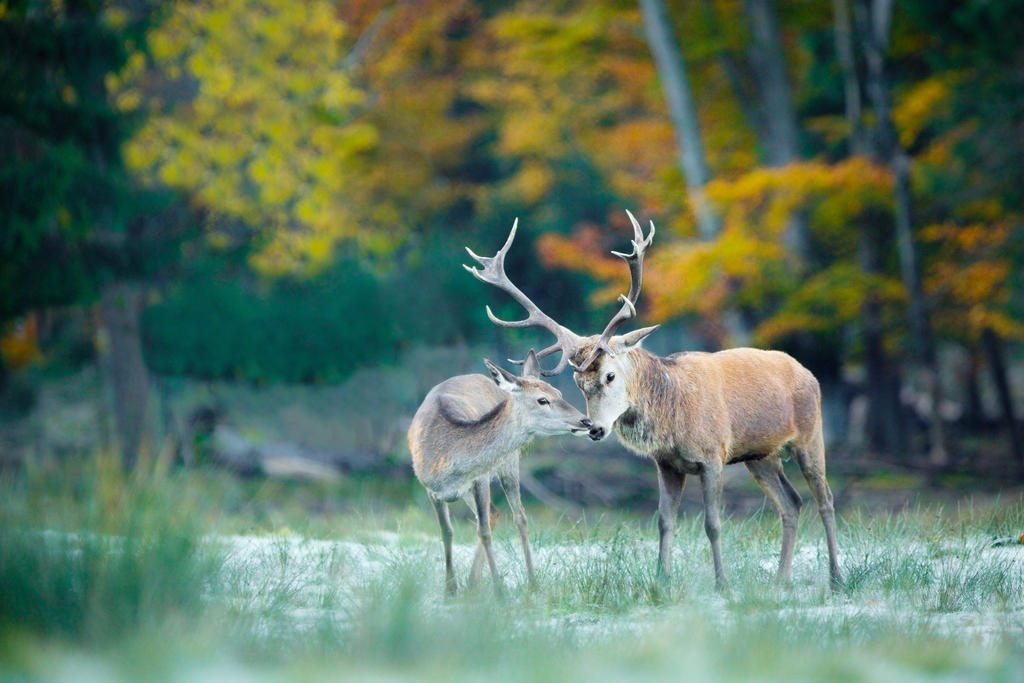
(596,433)
(586,422)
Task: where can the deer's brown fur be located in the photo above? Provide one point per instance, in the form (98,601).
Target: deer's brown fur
(694,413)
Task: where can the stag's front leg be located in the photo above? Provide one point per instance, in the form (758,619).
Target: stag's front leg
(509,478)
(711,483)
(670,492)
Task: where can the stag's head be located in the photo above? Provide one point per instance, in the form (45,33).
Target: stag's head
(538,406)
(601,362)
(605,379)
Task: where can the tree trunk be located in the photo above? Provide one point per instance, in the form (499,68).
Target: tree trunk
(781,141)
(975,415)
(994,350)
(886,431)
(668,59)
(885,418)
(874,17)
(120,306)
(768,61)
(843,35)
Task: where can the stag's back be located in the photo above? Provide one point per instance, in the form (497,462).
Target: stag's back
(460,432)
(764,397)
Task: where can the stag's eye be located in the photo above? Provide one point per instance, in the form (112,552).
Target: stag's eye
(609,377)
(543,401)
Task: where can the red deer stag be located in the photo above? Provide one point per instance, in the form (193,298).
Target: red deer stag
(694,413)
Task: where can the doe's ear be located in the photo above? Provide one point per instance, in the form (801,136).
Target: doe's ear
(503,378)
(632,340)
(531,366)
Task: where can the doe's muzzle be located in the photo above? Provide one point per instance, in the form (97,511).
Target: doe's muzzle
(596,433)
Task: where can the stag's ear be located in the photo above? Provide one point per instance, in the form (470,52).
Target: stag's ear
(531,366)
(503,378)
(631,340)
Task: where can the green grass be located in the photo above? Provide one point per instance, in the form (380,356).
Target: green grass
(176,575)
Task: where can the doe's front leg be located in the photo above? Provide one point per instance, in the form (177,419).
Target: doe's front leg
(509,478)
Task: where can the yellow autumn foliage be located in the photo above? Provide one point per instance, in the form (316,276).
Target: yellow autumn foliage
(920,106)
(19,343)
(272,133)
(969,276)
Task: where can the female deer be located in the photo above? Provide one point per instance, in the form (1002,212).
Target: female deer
(470,428)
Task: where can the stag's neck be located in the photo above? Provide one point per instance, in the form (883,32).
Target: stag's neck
(654,394)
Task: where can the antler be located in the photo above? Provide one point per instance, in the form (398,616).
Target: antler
(493,273)
(628,310)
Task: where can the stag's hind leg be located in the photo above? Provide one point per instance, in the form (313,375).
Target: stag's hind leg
(811,458)
(444,520)
(769,475)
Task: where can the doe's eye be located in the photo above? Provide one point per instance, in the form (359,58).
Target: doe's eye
(609,377)
(543,401)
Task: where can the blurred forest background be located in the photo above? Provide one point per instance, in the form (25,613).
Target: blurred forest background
(233,230)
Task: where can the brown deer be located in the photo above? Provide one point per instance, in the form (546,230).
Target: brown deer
(470,428)
(694,413)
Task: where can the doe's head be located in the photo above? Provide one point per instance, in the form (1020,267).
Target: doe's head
(539,405)
(604,376)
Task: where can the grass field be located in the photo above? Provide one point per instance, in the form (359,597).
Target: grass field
(173,576)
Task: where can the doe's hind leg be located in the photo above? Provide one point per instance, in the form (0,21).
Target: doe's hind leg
(444,520)
(482,498)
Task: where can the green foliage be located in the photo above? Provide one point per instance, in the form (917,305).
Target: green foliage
(70,214)
(91,554)
(222,321)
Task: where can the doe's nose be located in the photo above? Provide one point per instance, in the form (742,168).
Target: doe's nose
(586,422)
(596,433)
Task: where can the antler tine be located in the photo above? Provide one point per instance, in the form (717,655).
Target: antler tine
(543,353)
(627,311)
(547,352)
(635,260)
(493,273)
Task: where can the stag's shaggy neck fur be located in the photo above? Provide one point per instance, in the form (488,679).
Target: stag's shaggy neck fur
(648,427)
